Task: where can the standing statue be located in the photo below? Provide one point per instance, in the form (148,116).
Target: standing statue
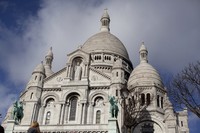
(18,111)
(113,106)
(78,72)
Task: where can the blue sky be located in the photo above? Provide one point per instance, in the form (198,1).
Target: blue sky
(170,30)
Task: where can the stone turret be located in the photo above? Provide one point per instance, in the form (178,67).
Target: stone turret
(37,76)
(105,21)
(48,63)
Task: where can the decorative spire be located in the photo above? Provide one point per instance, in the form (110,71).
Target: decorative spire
(49,57)
(143,53)
(105,21)
(50,53)
(48,63)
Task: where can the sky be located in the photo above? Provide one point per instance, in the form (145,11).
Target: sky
(170,30)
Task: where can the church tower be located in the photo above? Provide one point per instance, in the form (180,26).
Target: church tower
(146,88)
(31,97)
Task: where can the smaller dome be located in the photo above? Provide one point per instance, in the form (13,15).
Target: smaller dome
(144,74)
(39,68)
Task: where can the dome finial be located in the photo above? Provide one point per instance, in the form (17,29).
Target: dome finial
(105,21)
(143,53)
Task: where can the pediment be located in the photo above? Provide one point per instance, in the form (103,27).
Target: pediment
(98,78)
(78,53)
(56,78)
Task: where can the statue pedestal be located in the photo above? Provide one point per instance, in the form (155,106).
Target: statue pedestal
(10,126)
(113,126)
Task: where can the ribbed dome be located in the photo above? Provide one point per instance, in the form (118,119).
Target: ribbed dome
(105,42)
(39,68)
(144,74)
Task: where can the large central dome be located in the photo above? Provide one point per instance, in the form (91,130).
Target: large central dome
(105,42)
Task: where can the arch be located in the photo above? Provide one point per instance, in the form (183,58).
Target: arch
(151,119)
(77,56)
(71,95)
(70,92)
(49,95)
(96,94)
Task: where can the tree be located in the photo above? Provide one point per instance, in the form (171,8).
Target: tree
(185,88)
(134,107)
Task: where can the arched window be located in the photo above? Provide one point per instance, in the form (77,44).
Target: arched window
(48,116)
(73,106)
(98,117)
(142,99)
(158,101)
(50,102)
(148,99)
(161,102)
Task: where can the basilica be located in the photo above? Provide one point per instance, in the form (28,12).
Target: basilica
(76,98)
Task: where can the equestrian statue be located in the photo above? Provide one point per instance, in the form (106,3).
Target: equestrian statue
(113,106)
(18,111)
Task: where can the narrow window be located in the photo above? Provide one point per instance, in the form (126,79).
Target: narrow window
(142,99)
(73,106)
(31,95)
(181,123)
(40,78)
(48,115)
(148,99)
(158,101)
(117,74)
(98,117)
(161,102)
(116,92)
(35,77)
(133,100)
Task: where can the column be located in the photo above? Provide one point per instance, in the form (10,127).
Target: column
(86,70)
(41,115)
(69,72)
(83,114)
(66,113)
(91,112)
(67,69)
(60,114)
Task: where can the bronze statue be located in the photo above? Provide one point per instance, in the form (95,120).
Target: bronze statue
(114,107)
(18,111)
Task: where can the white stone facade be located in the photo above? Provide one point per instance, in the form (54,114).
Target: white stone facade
(75,99)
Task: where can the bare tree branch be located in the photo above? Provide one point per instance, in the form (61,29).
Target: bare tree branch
(185,88)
